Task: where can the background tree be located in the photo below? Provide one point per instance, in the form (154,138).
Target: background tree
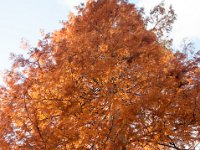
(103,81)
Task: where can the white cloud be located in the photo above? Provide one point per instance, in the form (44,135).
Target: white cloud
(188,18)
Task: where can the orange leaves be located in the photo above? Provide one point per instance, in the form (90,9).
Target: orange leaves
(103,81)
(103,47)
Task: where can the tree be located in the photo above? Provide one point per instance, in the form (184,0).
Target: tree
(103,81)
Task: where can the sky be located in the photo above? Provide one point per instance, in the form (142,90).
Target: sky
(24,19)
(188,20)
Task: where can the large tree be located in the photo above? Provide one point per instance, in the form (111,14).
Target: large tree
(103,81)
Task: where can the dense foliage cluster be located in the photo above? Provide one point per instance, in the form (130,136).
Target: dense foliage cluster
(103,81)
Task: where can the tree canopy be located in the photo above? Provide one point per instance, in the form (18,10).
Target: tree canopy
(103,81)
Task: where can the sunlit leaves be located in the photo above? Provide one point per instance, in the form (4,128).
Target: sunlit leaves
(103,81)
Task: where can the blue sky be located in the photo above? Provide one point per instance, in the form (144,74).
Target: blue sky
(24,19)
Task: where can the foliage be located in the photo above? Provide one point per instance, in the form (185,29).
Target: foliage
(103,81)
